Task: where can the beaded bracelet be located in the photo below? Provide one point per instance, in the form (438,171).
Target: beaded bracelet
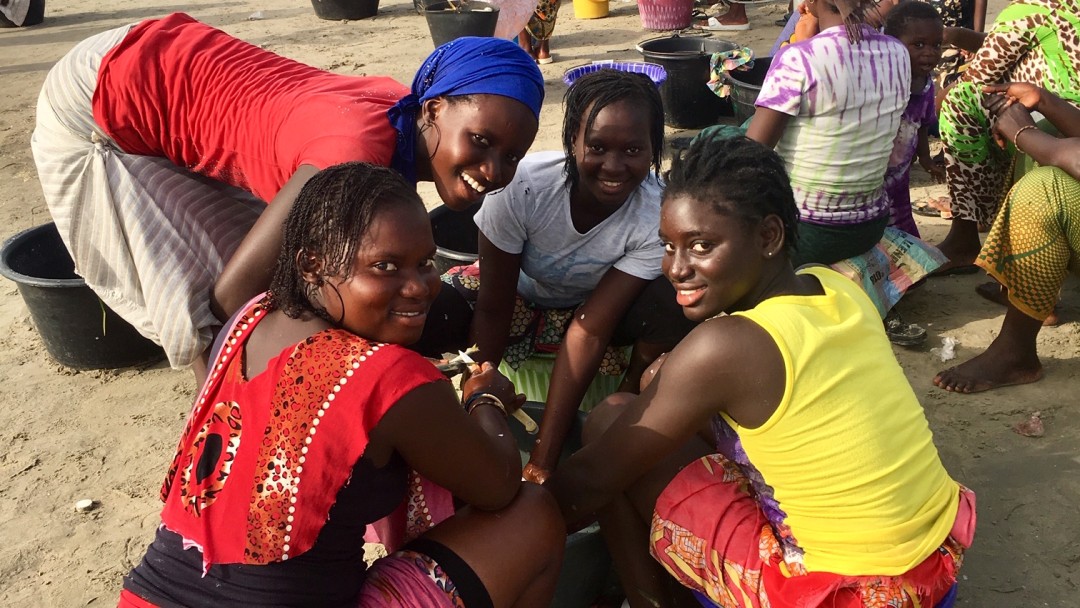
(475,400)
(1018,132)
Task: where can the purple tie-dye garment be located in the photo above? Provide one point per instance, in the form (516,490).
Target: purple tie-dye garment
(919,113)
(845,101)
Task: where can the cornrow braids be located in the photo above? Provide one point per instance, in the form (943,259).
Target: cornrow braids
(592,93)
(739,177)
(329,218)
(903,14)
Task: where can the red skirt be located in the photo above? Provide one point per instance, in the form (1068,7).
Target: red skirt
(711,535)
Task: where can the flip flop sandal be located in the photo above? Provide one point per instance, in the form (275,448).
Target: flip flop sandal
(933,207)
(993,291)
(903,334)
(956,270)
(714,25)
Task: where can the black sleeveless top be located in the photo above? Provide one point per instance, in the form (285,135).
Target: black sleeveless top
(328,575)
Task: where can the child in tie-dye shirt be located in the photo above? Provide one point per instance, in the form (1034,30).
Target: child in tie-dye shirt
(920,28)
(831,107)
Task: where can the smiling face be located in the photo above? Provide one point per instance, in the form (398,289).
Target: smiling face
(715,260)
(923,39)
(393,280)
(613,155)
(474,144)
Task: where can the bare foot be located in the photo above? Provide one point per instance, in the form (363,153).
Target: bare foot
(988,371)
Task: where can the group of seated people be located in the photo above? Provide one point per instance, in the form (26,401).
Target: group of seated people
(721,472)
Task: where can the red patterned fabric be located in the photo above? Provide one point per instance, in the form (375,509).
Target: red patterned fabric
(711,535)
(261,460)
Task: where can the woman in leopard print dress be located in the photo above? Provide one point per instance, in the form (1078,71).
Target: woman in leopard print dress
(1035,41)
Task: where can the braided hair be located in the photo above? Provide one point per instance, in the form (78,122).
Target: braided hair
(592,93)
(329,218)
(901,16)
(737,176)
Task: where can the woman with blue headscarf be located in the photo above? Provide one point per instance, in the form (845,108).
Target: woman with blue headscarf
(159,145)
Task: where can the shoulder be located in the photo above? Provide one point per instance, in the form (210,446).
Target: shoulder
(540,176)
(541,169)
(721,342)
(340,351)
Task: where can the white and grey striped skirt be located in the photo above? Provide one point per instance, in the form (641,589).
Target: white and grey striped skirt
(148,237)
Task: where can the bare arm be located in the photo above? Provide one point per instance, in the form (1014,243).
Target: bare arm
(925,160)
(979,16)
(964,39)
(578,360)
(704,375)
(1060,113)
(472,455)
(1014,123)
(250,270)
(495,302)
(767,126)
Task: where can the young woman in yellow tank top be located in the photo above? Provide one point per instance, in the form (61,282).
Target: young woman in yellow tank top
(779,455)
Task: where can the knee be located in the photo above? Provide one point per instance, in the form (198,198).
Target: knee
(603,415)
(540,518)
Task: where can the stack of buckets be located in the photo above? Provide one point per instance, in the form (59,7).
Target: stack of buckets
(590,9)
(665,15)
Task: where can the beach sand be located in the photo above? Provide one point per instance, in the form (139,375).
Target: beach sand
(109,435)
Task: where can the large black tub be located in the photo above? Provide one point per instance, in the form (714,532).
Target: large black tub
(78,329)
(688,101)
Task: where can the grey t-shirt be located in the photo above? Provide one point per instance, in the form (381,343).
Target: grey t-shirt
(560,266)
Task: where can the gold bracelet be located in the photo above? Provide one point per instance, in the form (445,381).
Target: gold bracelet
(1018,132)
(475,400)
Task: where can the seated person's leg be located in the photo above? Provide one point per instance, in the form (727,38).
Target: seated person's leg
(654,324)
(831,243)
(1034,240)
(625,522)
(509,557)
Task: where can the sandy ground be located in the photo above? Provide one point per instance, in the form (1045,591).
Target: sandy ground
(107,435)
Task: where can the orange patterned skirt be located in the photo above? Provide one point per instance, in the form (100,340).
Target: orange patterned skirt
(710,534)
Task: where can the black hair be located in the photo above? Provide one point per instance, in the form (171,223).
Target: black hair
(596,91)
(329,218)
(901,16)
(738,176)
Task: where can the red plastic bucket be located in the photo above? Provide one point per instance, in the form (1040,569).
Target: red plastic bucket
(665,14)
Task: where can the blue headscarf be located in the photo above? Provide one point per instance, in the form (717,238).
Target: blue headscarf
(464,66)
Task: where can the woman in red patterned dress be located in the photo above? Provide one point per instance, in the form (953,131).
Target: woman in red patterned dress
(316,420)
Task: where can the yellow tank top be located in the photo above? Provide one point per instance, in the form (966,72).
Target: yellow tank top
(848,455)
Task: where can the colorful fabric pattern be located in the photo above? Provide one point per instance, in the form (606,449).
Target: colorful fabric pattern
(542,24)
(723,62)
(1036,41)
(708,532)
(889,269)
(252,452)
(845,102)
(532,329)
(1035,240)
(919,113)
(406,579)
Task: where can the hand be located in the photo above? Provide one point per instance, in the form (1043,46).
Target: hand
(535,474)
(936,171)
(487,379)
(1029,95)
(1009,122)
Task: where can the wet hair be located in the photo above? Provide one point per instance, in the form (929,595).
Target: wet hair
(329,219)
(737,176)
(903,14)
(593,92)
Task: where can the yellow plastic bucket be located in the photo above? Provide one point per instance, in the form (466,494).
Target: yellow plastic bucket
(590,9)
